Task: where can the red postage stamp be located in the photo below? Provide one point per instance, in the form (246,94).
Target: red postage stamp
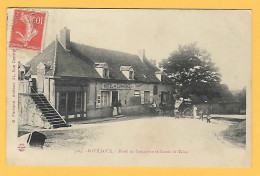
(27,29)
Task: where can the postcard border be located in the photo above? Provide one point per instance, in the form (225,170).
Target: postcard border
(196,4)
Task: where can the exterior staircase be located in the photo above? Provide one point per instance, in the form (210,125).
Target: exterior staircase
(53,117)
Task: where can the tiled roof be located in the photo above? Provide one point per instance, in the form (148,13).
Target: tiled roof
(46,57)
(67,64)
(80,61)
(115,60)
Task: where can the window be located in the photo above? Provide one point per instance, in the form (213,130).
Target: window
(105,98)
(137,93)
(105,73)
(146,97)
(155,89)
(102,69)
(131,74)
(128,71)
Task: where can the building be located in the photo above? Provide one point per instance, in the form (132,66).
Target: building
(81,81)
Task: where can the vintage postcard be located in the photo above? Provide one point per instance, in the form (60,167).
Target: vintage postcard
(128,87)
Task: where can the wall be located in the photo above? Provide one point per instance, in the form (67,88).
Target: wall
(221,108)
(49,91)
(230,108)
(24,87)
(52,92)
(46,88)
(29,114)
(130,104)
(40,77)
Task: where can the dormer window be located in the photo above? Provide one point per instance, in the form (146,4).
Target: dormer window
(102,69)
(131,74)
(128,71)
(105,73)
(158,74)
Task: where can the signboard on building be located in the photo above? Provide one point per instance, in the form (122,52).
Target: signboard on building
(117,86)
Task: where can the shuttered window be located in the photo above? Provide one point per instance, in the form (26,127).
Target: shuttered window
(105,98)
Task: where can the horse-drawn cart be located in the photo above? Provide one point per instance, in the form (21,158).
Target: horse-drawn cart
(183,108)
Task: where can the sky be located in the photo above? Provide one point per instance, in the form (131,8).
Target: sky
(225,34)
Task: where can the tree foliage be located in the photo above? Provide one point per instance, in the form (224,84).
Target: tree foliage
(241,97)
(194,73)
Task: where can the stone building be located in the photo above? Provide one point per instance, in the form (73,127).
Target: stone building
(81,81)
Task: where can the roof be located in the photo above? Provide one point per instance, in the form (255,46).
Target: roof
(80,61)
(46,57)
(125,68)
(69,65)
(100,65)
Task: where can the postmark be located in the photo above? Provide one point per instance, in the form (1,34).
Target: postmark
(28,29)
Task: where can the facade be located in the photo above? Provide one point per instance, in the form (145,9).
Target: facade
(81,81)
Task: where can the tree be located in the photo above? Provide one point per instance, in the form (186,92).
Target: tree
(241,97)
(195,75)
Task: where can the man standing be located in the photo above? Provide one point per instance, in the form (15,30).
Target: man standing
(201,114)
(194,112)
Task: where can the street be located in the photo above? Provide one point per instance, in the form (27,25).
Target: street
(146,141)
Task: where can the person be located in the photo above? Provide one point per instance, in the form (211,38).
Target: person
(201,114)
(119,105)
(114,108)
(195,111)
(208,115)
(154,106)
(163,108)
(208,118)
(176,113)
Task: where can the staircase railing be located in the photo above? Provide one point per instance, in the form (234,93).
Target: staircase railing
(49,104)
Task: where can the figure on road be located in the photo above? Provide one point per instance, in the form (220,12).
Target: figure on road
(194,112)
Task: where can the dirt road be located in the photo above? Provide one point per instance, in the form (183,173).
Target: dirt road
(157,141)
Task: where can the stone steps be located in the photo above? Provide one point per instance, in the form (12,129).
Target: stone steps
(48,111)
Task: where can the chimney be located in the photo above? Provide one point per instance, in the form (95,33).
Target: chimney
(65,38)
(141,54)
(153,61)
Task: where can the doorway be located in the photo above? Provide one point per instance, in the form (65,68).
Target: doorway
(33,86)
(114,98)
(71,103)
(164,97)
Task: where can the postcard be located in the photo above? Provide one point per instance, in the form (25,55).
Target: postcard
(128,87)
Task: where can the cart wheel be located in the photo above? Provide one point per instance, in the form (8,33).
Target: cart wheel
(187,112)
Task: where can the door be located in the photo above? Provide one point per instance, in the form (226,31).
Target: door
(164,97)
(114,98)
(71,103)
(33,85)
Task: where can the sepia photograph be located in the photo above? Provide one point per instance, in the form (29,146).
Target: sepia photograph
(128,87)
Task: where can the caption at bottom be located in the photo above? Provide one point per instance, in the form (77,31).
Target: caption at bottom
(131,151)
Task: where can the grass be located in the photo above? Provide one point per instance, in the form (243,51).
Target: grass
(236,133)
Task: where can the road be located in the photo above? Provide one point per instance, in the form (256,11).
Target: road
(156,141)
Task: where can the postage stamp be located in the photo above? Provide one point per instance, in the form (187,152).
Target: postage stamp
(27,29)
